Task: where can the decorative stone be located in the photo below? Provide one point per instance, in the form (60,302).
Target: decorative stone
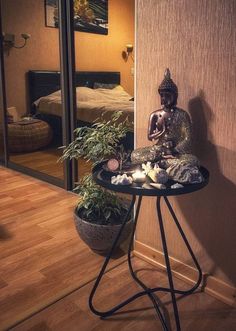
(121,180)
(162,175)
(146,186)
(185,173)
(153,175)
(176,185)
(156,174)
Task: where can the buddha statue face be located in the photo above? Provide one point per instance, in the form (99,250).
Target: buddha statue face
(168,98)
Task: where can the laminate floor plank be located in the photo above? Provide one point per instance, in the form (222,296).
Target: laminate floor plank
(46,161)
(41,255)
(46,272)
(198,312)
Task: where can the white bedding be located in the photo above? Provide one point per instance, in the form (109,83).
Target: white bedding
(91,103)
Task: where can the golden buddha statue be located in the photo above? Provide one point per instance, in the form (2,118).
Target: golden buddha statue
(170,129)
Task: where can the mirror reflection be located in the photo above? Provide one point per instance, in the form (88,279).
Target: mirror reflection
(109,63)
(1,134)
(29,47)
(104,53)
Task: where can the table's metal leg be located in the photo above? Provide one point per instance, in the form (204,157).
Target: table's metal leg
(146,289)
(111,311)
(167,261)
(196,285)
(188,247)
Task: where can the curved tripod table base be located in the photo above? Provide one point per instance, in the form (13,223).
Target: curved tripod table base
(97,172)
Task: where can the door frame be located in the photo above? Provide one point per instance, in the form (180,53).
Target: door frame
(3,105)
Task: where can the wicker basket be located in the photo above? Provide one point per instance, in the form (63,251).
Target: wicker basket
(28,136)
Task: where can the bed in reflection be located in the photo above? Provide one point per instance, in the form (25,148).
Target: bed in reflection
(98,95)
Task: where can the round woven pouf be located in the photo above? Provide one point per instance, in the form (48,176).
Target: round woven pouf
(28,136)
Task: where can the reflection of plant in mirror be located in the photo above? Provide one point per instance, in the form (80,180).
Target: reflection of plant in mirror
(98,142)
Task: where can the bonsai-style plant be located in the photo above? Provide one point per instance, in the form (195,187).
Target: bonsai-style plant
(98,205)
(99,212)
(100,141)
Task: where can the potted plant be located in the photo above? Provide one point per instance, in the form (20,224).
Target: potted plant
(99,213)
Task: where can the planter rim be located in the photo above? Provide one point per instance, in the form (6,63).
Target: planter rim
(95,224)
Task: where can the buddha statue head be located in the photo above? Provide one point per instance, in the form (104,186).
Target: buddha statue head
(168,91)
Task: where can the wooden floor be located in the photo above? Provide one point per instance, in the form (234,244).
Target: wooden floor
(46,272)
(198,312)
(41,255)
(46,162)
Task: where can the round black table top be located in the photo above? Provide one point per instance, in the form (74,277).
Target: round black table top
(103,178)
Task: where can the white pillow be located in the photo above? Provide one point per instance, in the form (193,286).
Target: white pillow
(117,93)
(86,94)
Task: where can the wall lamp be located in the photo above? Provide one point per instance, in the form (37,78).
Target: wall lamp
(9,40)
(128,53)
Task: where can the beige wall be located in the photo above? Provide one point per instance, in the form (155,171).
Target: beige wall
(196,40)
(93,52)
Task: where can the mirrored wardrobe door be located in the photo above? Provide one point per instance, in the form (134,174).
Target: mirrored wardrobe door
(32,79)
(104,55)
(3,155)
(2,140)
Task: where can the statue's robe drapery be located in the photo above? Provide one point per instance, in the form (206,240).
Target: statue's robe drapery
(176,127)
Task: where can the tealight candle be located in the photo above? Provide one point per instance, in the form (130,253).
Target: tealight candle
(139,177)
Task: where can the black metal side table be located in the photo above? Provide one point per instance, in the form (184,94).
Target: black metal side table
(102,178)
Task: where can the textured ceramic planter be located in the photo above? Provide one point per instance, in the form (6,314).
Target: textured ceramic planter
(100,237)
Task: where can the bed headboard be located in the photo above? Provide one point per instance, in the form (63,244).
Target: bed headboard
(42,82)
